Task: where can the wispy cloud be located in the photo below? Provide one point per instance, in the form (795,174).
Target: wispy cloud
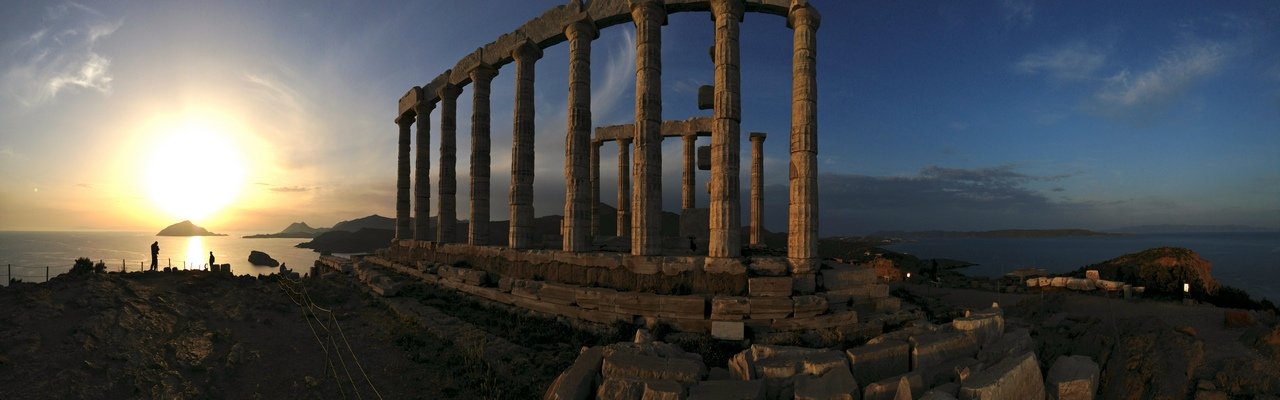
(1074,61)
(290,189)
(60,56)
(618,76)
(1141,94)
(1018,12)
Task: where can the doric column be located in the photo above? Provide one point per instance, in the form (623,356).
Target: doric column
(802,225)
(481,77)
(403,231)
(687,181)
(576,229)
(595,189)
(646,199)
(725,216)
(624,187)
(422,174)
(447,211)
(520,234)
(757,189)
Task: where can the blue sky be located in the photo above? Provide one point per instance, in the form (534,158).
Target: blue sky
(932,115)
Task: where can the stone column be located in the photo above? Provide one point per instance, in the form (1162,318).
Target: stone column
(422,178)
(447,214)
(687,183)
(595,189)
(802,226)
(757,189)
(646,199)
(725,216)
(520,234)
(403,231)
(481,78)
(576,228)
(624,187)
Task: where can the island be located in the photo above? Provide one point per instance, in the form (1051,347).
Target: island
(186,228)
(296,230)
(996,234)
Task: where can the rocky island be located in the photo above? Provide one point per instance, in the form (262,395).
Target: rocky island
(186,228)
(296,230)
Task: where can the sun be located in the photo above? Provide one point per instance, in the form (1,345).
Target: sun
(194,171)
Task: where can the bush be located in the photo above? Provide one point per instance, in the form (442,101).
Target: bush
(82,266)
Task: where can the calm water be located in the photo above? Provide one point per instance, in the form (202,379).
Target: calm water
(1250,261)
(30,252)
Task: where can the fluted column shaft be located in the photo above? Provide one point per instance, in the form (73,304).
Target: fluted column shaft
(624,187)
(481,79)
(576,228)
(402,179)
(520,234)
(725,217)
(447,214)
(687,181)
(595,189)
(802,228)
(422,176)
(646,199)
(757,190)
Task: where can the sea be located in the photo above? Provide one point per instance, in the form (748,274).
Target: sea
(28,254)
(1248,261)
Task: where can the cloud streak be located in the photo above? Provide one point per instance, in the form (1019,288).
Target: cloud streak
(1146,92)
(60,57)
(1072,62)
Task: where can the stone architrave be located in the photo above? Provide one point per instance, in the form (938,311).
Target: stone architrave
(422,176)
(687,180)
(403,232)
(726,220)
(520,234)
(802,226)
(646,199)
(446,209)
(595,189)
(624,187)
(576,229)
(757,189)
(481,80)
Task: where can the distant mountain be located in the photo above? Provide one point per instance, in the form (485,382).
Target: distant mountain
(340,241)
(1177,228)
(186,228)
(1004,233)
(296,230)
(372,222)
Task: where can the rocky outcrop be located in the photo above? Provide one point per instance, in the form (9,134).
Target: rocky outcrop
(1162,269)
(262,259)
(339,241)
(186,228)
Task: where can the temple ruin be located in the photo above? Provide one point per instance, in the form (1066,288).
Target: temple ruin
(633,274)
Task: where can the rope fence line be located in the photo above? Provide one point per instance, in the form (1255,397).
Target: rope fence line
(126,266)
(299,295)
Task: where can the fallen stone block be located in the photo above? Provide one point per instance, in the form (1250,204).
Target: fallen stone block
(986,327)
(643,367)
(1010,344)
(837,384)
(1072,378)
(808,305)
(832,320)
(901,387)
(769,307)
(779,286)
(951,371)
(1015,378)
(663,390)
(942,392)
(931,349)
(729,308)
(580,380)
(1110,286)
(728,330)
(620,389)
(1092,274)
(874,363)
(1059,281)
(728,390)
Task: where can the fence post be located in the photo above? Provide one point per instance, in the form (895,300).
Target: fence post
(10,273)
(46,273)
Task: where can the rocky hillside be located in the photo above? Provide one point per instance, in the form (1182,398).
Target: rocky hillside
(1162,269)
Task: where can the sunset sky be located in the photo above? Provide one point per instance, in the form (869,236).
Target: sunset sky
(249,115)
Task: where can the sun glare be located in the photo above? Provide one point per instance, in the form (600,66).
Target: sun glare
(194,171)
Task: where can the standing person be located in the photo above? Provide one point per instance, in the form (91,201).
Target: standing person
(155,254)
(210,260)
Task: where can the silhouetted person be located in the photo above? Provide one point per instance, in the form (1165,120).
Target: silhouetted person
(155,254)
(210,260)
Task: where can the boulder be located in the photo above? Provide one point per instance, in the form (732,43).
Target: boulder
(580,380)
(1015,378)
(261,259)
(728,390)
(873,363)
(1072,378)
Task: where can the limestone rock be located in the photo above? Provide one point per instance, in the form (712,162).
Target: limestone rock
(1072,378)
(779,286)
(1015,378)
(986,325)
(895,388)
(836,384)
(770,307)
(876,362)
(729,308)
(932,349)
(728,330)
(808,306)
(580,380)
(262,259)
(1010,344)
(728,390)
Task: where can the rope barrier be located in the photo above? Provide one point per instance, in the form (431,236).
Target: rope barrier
(302,298)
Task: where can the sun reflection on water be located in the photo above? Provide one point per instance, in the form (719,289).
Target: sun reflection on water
(195,253)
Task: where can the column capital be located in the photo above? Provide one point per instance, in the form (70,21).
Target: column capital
(623,141)
(482,72)
(644,9)
(526,51)
(734,8)
(582,26)
(449,92)
(801,14)
(406,119)
(757,136)
(424,107)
